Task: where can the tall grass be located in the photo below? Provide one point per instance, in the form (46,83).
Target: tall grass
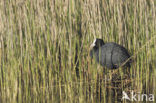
(44,49)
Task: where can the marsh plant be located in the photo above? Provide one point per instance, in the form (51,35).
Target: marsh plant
(44,50)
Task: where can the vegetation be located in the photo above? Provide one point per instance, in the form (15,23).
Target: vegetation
(44,49)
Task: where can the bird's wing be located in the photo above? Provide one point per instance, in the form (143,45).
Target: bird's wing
(119,55)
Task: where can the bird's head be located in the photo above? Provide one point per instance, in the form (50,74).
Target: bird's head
(96,43)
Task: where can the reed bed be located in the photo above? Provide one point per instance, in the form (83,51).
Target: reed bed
(44,50)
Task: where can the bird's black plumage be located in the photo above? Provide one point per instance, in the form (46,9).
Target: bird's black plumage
(110,55)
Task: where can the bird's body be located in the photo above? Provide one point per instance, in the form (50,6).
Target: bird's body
(110,55)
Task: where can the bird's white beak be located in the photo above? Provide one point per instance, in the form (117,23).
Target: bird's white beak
(93,44)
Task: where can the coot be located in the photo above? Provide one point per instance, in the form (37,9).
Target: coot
(110,55)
